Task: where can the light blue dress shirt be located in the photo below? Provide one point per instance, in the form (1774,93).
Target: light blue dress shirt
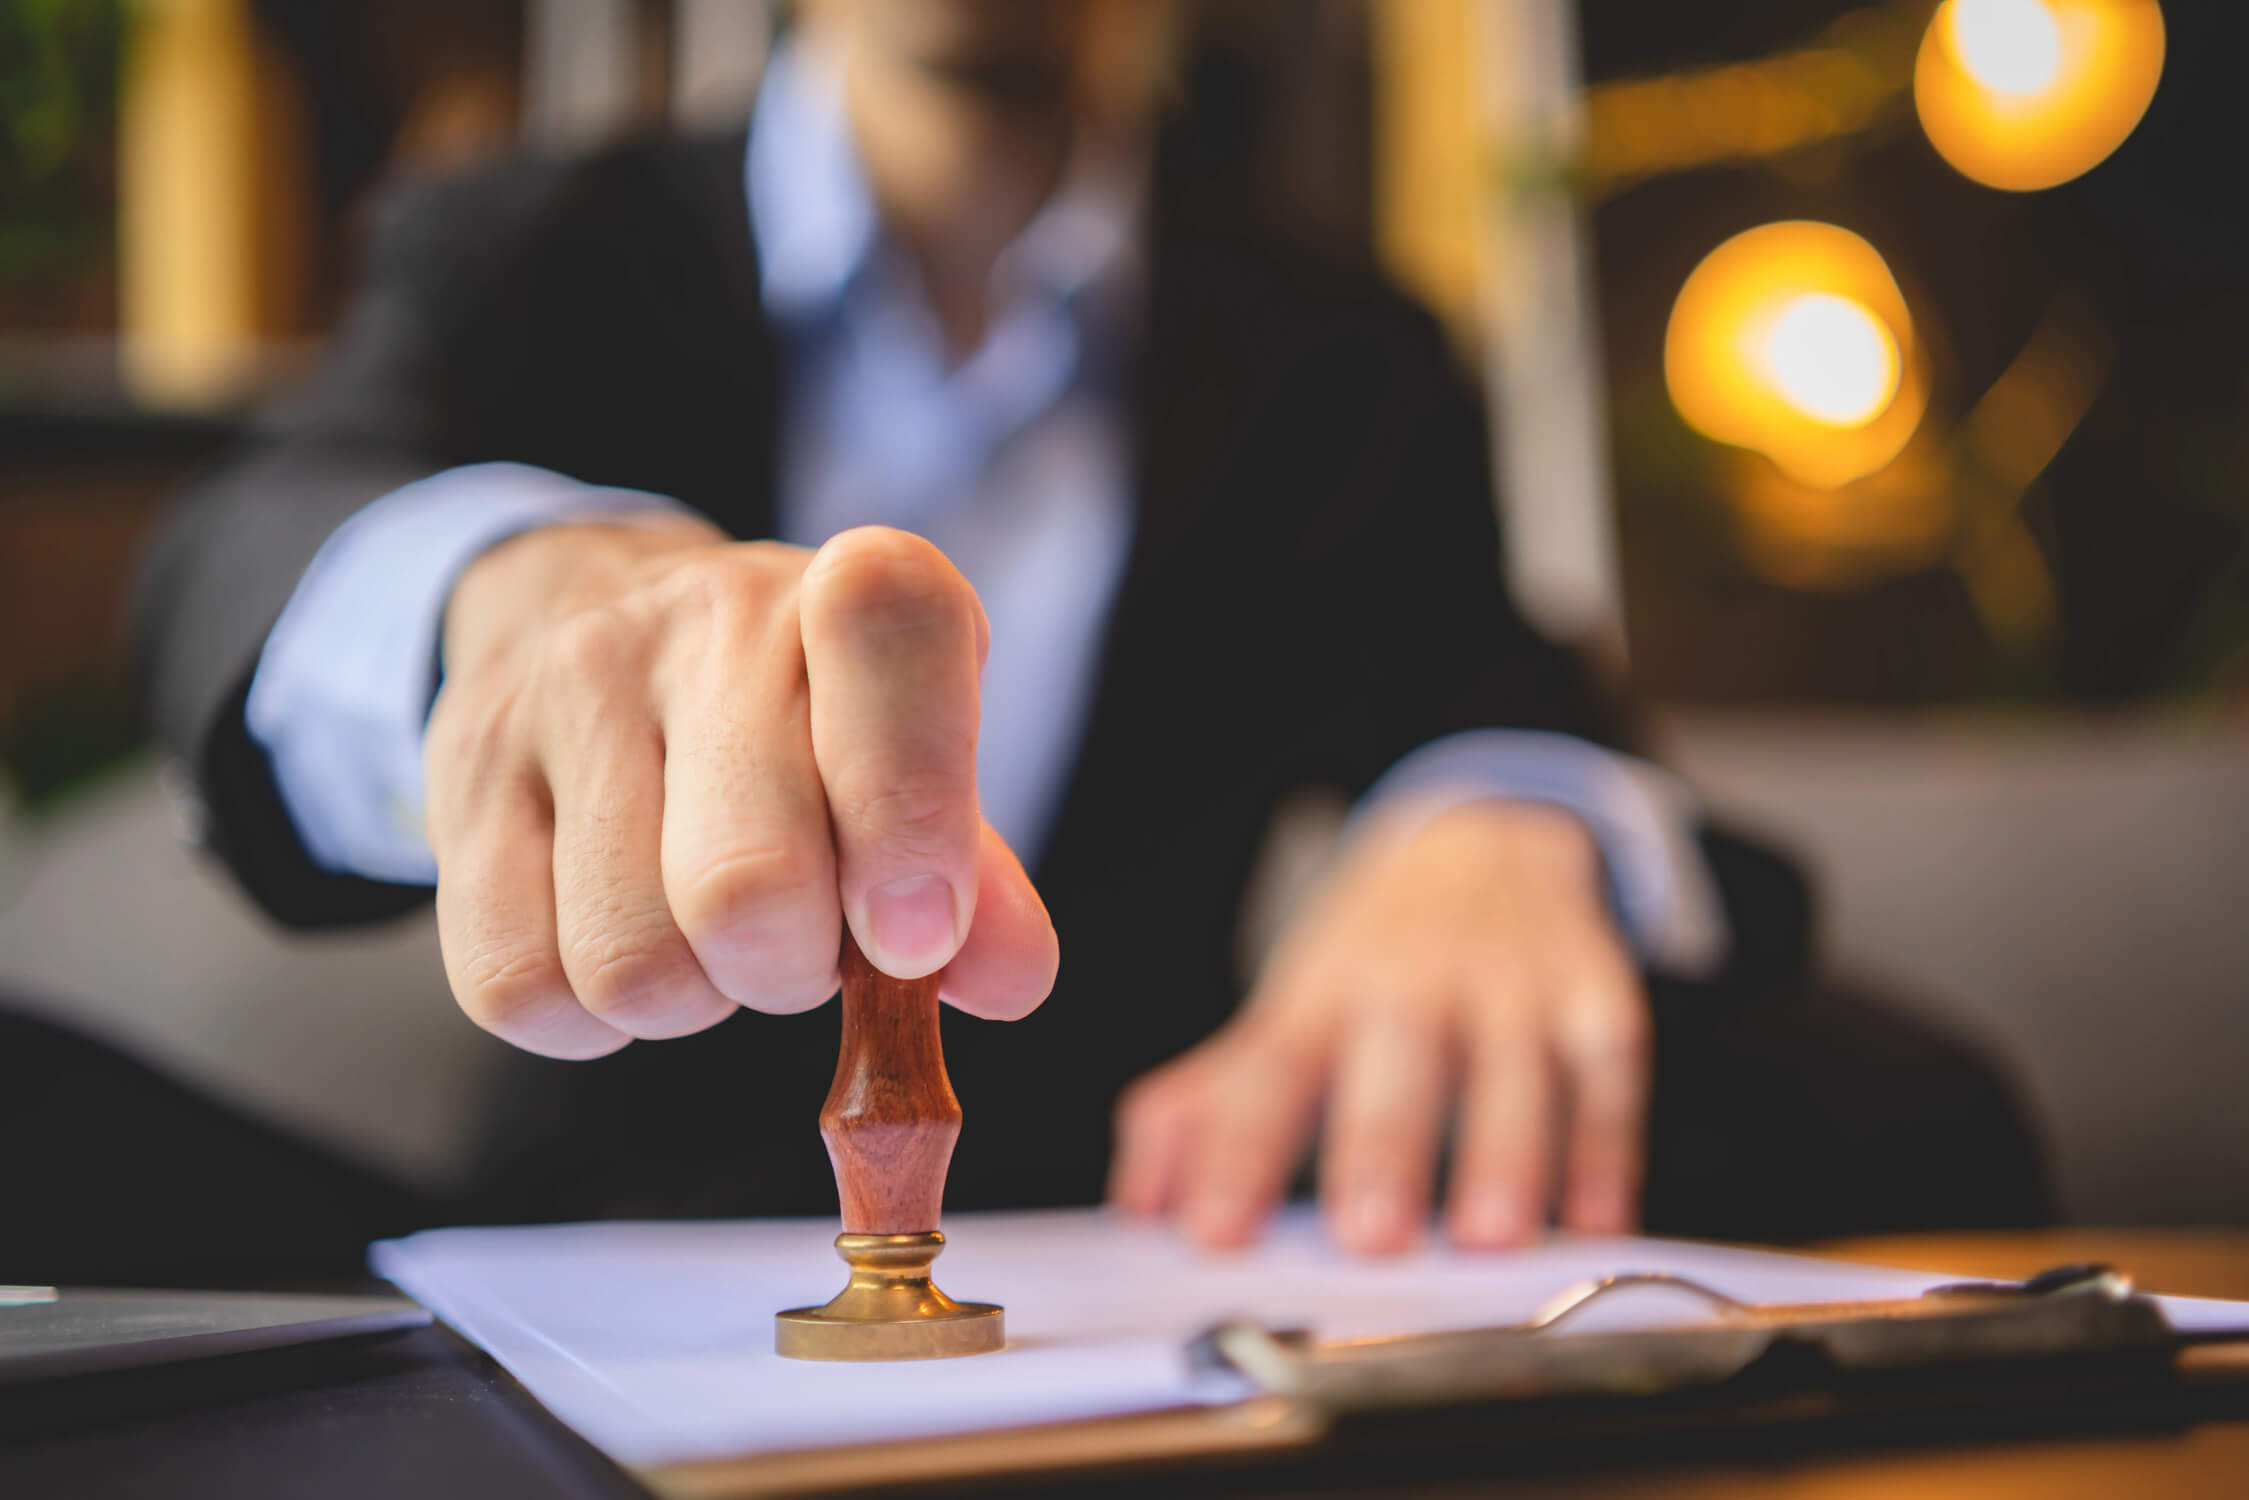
(1014,462)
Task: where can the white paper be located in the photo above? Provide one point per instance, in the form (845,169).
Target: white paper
(655,1341)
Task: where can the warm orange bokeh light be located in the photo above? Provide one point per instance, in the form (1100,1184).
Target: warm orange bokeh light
(1793,339)
(2007,46)
(2026,94)
(1829,357)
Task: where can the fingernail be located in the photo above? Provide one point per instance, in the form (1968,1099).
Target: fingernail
(1491,1218)
(910,926)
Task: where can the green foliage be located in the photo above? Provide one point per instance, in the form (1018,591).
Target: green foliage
(58,109)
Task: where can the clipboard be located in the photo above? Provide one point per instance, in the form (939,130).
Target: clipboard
(2073,1344)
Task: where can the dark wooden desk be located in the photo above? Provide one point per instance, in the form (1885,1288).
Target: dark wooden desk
(430,1418)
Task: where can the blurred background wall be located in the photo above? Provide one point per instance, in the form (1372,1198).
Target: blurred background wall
(1871,379)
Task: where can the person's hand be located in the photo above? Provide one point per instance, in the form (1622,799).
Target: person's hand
(665,768)
(1462,971)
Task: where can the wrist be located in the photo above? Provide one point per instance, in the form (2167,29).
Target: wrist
(1470,845)
(1441,823)
(1550,840)
(1542,831)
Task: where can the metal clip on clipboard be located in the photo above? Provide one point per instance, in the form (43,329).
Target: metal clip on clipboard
(2064,1322)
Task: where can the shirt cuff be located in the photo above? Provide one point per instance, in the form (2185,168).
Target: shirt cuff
(1640,815)
(341,695)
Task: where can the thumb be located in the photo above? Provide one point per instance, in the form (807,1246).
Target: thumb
(893,639)
(1008,964)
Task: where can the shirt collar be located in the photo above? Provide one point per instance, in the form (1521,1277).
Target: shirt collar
(818,231)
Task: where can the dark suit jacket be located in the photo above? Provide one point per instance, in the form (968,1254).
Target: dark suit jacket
(1313,591)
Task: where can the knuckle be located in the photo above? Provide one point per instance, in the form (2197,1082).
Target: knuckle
(728,612)
(1381,1121)
(1614,1035)
(500,988)
(1149,1100)
(451,739)
(913,814)
(1267,1045)
(765,926)
(891,581)
(588,648)
(728,584)
(749,898)
(627,975)
(475,748)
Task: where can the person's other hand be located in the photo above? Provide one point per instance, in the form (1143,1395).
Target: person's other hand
(1460,971)
(666,768)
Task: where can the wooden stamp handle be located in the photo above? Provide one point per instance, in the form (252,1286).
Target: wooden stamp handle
(891,1117)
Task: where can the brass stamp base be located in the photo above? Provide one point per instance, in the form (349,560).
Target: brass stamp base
(890,1309)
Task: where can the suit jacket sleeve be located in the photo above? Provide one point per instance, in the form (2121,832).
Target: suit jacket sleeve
(1446,650)
(416,381)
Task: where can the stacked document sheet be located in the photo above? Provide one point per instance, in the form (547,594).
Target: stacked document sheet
(655,1341)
